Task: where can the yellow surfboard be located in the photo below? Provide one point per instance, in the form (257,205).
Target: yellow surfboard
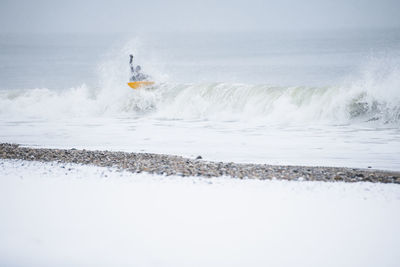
(139,84)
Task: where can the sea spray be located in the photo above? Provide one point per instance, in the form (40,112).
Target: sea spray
(212,101)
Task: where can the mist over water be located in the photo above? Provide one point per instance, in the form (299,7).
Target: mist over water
(316,98)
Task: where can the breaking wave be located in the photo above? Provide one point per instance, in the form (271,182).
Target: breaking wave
(218,101)
(374,96)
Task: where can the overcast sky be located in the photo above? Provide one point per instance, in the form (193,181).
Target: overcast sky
(200,15)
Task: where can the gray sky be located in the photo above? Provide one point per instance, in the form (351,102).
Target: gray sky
(202,15)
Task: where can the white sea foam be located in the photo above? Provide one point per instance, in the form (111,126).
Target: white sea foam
(372,97)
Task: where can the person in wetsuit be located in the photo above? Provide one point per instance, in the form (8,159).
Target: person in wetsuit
(136,73)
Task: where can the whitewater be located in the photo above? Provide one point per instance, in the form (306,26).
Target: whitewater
(290,99)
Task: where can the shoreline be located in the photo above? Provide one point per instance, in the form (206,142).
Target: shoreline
(163,164)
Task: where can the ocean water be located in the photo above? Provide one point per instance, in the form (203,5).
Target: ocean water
(295,98)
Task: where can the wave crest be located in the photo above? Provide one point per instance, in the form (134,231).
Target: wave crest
(373,96)
(212,101)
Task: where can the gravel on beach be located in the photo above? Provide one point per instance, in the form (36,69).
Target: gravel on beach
(176,165)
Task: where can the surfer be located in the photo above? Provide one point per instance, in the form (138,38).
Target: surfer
(137,75)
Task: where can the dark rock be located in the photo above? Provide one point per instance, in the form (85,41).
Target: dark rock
(175,165)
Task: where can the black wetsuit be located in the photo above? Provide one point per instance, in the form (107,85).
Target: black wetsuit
(133,77)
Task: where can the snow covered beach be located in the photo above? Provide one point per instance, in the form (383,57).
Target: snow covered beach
(79,208)
(57,214)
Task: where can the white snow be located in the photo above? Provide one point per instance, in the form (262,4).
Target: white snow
(92,216)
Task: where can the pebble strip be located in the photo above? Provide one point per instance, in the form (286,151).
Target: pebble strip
(175,165)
